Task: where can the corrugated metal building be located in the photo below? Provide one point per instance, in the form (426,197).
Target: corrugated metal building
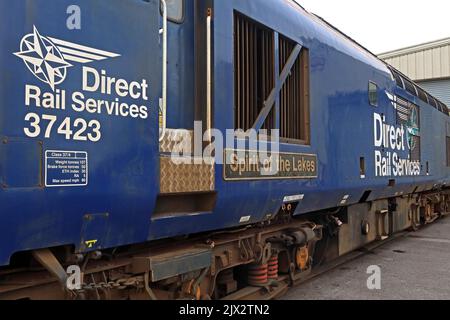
(427,64)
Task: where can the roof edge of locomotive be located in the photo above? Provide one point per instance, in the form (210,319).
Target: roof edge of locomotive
(396,75)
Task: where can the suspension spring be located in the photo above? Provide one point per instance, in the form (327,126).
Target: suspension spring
(258,274)
(272,272)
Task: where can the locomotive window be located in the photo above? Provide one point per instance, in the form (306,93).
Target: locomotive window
(373,94)
(175,10)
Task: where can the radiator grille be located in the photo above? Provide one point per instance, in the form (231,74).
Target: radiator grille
(294,94)
(403,112)
(254,71)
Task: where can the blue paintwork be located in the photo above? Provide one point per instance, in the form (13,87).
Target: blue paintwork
(124,168)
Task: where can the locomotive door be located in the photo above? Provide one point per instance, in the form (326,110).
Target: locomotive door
(185,177)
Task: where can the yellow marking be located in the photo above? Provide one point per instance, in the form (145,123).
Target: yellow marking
(90,243)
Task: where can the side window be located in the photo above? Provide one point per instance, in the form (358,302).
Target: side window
(254,66)
(373,94)
(175,10)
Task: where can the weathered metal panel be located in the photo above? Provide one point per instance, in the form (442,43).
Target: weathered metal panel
(164,266)
(353,233)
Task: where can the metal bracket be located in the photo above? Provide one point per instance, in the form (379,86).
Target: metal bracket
(48,260)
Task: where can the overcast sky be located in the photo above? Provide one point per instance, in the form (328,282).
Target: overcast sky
(385,25)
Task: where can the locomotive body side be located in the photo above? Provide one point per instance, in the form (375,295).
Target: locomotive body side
(113,204)
(342,126)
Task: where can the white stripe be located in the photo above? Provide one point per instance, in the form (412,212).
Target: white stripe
(76,59)
(81,54)
(84,48)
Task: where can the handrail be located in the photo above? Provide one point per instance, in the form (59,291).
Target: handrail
(208,76)
(163,100)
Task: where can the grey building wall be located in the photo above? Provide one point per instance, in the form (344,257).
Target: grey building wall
(438,88)
(427,64)
(422,62)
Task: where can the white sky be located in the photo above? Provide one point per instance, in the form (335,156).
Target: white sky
(385,25)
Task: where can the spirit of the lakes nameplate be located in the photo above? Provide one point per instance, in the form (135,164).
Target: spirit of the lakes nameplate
(253,165)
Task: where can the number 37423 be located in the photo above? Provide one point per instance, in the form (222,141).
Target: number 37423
(72,129)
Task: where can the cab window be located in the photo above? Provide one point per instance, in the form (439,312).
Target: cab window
(373,94)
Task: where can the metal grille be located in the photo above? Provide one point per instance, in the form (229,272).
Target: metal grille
(409,86)
(432,101)
(294,99)
(415,148)
(254,71)
(422,95)
(444,107)
(403,112)
(417,91)
(398,79)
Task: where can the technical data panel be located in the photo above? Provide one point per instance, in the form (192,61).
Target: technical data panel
(66,168)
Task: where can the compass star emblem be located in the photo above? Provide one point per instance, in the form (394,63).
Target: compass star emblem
(43,59)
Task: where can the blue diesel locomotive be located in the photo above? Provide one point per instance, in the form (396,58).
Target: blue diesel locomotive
(107,108)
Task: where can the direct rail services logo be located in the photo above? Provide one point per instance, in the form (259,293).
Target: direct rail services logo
(76,110)
(47,58)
